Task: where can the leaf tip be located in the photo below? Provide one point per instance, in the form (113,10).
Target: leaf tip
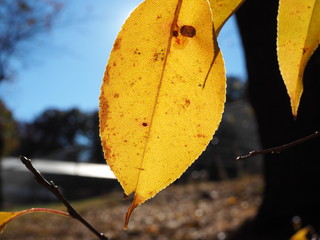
(294,109)
(128,214)
(135,203)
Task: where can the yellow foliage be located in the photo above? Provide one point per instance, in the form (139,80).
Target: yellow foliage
(298,37)
(222,10)
(301,234)
(162,95)
(6,217)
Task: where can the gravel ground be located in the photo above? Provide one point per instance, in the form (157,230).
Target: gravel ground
(203,210)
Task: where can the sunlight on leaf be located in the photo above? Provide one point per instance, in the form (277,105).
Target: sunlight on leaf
(301,234)
(222,10)
(6,217)
(162,95)
(298,37)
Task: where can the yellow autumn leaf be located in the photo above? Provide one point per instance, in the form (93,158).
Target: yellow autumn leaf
(301,234)
(222,10)
(6,217)
(162,95)
(298,37)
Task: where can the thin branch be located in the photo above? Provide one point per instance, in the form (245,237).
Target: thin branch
(279,148)
(55,190)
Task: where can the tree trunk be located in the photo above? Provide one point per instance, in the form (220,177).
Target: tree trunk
(292,177)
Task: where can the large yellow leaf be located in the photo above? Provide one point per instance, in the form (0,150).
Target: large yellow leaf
(162,95)
(6,217)
(298,37)
(222,10)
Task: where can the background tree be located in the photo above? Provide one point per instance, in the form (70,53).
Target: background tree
(55,134)
(69,135)
(95,148)
(8,136)
(8,131)
(20,22)
(291,177)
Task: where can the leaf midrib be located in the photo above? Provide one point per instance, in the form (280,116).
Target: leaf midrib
(174,23)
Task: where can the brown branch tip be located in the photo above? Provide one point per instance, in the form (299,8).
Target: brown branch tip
(56,192)
(280,148)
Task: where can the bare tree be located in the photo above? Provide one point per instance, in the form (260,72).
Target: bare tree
(20,22)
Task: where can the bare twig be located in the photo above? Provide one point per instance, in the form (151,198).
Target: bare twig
(279,148)
(55,191)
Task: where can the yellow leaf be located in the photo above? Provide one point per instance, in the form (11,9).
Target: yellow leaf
(162,95)
(222,10)
(6,217)
(298,37)
(301,234)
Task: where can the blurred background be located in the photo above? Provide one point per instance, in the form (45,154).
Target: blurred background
(52,58)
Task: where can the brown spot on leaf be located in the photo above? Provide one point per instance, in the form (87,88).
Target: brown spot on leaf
(151,193)
(103,111)
(180,42)
(162,54)
(145,124)
(107,152)
(201,136)
(188,31)
(116,95)
(117,44)
(186,103)
(158,55)
(155,57)
(114,64)
(136,51)
(106,77)
(175,33)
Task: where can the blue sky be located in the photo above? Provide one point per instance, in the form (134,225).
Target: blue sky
(64,68)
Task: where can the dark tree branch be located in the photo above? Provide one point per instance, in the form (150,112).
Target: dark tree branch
(279,148)
(55,191)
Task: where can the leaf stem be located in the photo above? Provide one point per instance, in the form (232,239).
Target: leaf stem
(55,191)
(279,148)
(46,210)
